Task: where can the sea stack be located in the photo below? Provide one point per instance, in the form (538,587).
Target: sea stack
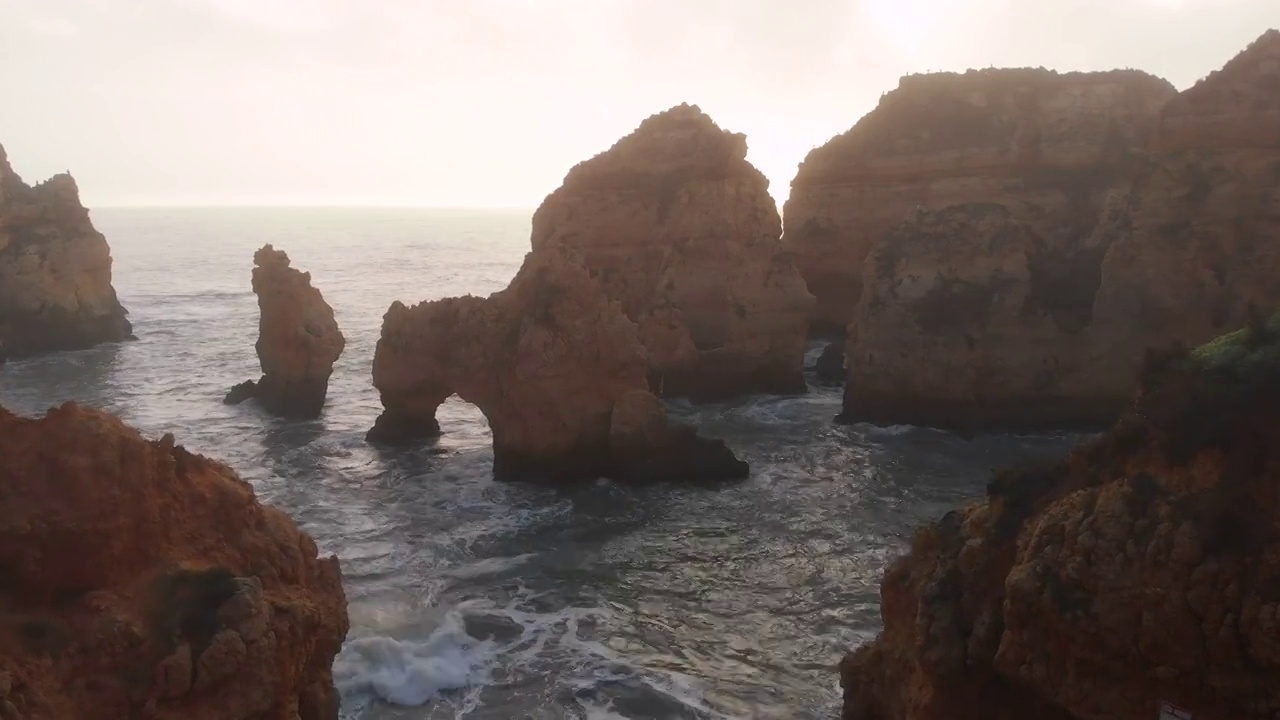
(676,225)
(556,368)
(1142,570)
(141,580)
(1046,145)
(55,270)
(298,340)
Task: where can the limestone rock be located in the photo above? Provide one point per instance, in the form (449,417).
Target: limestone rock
(969,319)
(298,340)
(677,226)
(1200,242)
(548,361)
(830,367)
(141,580)
(1142,569)
(1048,146)
(55,270)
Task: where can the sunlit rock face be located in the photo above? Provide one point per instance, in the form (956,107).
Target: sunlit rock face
(1141,570)
(557,369)
(55,270)
(1048,146)
(138,580)
(676,225)
(298,340)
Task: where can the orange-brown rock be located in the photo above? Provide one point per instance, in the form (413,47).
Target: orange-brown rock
(55,270)
(298,340)
(138,580)
(675,223)
(558,371)
(1048,146)
(1144,569)
(1200,242)
(970,319)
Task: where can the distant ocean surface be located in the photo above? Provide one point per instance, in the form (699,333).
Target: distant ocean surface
(485,600)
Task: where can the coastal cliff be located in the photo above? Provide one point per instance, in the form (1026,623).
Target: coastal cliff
(557,369)
(676,225)
(140,580)
(55,270)
(1141,570)
(1046,145)
(298,340)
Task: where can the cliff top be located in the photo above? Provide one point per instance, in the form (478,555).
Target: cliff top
(59,191)
(1248,83)
(977,108)
(682,141)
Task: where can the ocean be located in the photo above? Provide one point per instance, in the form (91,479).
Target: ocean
(486,600)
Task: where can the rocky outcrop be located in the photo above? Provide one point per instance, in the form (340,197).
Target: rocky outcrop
(677,226)
(1144,569)
(1048,146)
(55,270)
(830,367)
(556,368)
(138,580)
(1199,239)
(969,319)
(298,340)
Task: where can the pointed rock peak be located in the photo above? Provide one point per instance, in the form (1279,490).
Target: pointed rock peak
(268,255)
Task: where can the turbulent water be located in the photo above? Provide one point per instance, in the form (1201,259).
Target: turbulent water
(472,598)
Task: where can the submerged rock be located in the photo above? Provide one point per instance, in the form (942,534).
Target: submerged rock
(1049,146)
(1141,570)
(675,224)
(55,270)
(557,370)
(140,580)
(298,340)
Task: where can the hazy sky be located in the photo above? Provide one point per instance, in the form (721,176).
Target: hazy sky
(487,103)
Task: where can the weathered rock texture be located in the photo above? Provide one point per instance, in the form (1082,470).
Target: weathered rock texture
(138,580)
(969,320)
(298,340)
(675,224)
(556,368)
(1201,235)
(55,270)
(1048,146)
(1145,568)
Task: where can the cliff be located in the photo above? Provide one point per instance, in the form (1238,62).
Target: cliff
(1141,570)
(298,340)
(55,270)
(556,368)
(1048,146)
(140,580)
(676,225)
(969,319)
(1199,241)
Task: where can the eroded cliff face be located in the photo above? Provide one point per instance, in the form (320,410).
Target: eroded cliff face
(677,226)
(1201,240)
(558,371)
(1047,146)
(1141,570)
(55,270)
(138,580)
(971,319)
(298,339)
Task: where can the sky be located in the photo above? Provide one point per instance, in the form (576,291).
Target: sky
(488,103)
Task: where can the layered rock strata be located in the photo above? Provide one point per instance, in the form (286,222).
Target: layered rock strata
(675,224)
(298,340)
(556,368)
(138,580)
(1142,570)
(55,270)
(1048,146)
